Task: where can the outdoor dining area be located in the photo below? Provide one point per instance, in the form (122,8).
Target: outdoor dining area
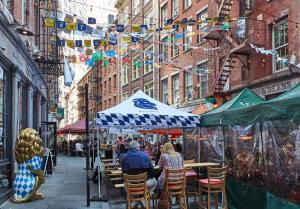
(244,154)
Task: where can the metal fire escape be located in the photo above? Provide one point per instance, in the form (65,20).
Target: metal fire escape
(233,47)
(49,59)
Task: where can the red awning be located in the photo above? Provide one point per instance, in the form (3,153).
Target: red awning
(174,132)
(77,127)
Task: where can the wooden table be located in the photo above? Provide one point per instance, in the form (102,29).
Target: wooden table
(198,165)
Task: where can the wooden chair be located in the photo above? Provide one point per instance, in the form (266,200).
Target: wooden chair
(175,185)
(215,184)
(136,188)
(191,177)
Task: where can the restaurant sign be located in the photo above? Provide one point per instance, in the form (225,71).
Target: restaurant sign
(275,88)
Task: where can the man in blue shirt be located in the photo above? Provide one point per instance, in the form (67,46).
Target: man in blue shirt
(137,162)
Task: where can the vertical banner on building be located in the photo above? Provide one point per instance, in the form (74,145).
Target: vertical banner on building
(67,73)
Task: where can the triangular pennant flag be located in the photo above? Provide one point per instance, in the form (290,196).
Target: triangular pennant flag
(91,20)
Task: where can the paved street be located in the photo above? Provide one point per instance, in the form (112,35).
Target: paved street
(66,189)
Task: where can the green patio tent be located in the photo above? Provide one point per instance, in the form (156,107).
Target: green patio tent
(245,98)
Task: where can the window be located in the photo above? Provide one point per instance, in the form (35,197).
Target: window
(4,114)
(203,79)
(188,84)
(187,4)
(125,96)
(175,8)
(280,45)
(188,38)
(136,7)
(175,47)
(164,14)
(202,25)
(115,81)
(175,82)
(148,57)
(164,49)
(135,68)
(125,17)
(148,89)
(148,20)
(109,84)
(23,106)
(125,74)
(146,2)
(135,90)
(105,87)
(115,100)
(165,98)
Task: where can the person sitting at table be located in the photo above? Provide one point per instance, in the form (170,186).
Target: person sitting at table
(136,162)
(168,159)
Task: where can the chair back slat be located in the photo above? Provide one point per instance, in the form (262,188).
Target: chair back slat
(136,183)
(217,174)
(175,180)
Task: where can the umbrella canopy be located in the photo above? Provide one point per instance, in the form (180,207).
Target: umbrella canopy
(143,112)
(245,98)
(77,127)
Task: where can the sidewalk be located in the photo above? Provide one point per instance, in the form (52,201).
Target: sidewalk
(66,189)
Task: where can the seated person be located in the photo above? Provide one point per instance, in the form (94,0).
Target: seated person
(137,162)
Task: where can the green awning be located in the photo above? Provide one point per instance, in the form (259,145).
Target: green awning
(244,99)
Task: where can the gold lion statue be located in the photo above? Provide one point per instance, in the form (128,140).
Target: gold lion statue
(29,153)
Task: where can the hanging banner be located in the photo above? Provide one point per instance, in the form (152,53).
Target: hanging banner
(78,43)
(81,26)
(61,43)
(61,24)
(112,38)
(179,35)
(87,43)
(120,28)
(49,22)
(71,26)
(136,28)
(134,39)
(96,42)
(110,53)
(70,44)
(89,29)
(126,39)
(69,18)
(91,20)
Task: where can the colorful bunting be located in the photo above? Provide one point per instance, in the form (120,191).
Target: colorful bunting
(105,63)
(179,35)
(112,38)
(98,56)
(110,53)
(134,39)
(136,28)
(89,51)
(89,29)
(96,42)
(61,43)
(69,18)
(126,39)
(81,26)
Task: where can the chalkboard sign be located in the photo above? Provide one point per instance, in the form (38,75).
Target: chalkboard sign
(47,164)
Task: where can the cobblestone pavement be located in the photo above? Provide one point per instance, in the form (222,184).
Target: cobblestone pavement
(66,189)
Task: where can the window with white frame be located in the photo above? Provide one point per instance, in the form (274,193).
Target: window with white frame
(135,68)
(125,74)
(135,90)
(188,85)
(203,79)
(148,89)
(146,2)
(175,83)
(201,17)
(148,60)
(135,7)
(164,14)
(187,37)
(125,16)
(164,49)
(165,95)
(187,4)
(148,20)
(125,96)
(175,8)
(175,47)
(280,45)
